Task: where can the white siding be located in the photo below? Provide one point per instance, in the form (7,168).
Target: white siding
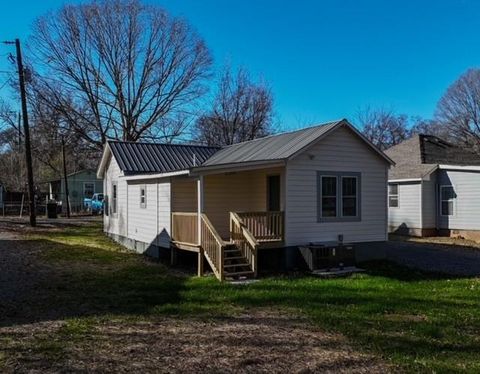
(340,151)
(467,203)
(407,214)
(115,223)
(149,224)
(164,214)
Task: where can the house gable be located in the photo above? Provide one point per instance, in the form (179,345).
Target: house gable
(344,124)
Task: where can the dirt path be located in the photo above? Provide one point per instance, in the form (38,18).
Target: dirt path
(255,343)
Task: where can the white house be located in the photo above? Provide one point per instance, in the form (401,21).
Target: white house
(434,189)
(270,195)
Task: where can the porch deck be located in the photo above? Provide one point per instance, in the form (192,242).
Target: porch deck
(234,256)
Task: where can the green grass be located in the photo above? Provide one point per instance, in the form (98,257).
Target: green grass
(418,321)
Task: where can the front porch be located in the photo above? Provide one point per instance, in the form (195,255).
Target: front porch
(233,257)
(228,217)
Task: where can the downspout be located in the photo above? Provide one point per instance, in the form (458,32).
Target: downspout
(421,207)
(158,219)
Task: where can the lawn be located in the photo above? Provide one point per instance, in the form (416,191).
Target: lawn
(94,291)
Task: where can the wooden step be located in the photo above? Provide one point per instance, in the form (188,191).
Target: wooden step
(231,250)
(234,258)
(235,265)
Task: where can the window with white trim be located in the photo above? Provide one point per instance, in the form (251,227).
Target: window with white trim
(393,201)
(447,200)
(143,196)
(338,196)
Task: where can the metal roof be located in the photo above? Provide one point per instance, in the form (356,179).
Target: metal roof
(274,147)
(144,158)
(135,158)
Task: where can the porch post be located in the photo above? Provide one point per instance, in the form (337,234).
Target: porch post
(199,223)
(199,207)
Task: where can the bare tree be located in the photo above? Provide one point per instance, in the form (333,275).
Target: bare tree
(118,69)
(383,127)
(242,110)
(429,127)
(459,109)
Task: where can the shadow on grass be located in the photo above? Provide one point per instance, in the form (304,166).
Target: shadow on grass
(49,280)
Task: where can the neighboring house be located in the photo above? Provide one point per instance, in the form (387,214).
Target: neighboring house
(257,199)
(82,184)
(434,189)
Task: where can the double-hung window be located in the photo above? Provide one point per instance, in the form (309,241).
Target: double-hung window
(447,200)
(338,196)
(143,196)
(393,196)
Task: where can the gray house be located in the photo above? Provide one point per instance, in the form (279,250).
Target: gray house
(434,189)
(268,195)
(81,184)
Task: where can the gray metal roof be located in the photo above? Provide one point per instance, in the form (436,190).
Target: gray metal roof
(274,147)
(136,158)
(142,158)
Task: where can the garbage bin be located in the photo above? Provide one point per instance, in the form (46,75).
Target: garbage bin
(52,209)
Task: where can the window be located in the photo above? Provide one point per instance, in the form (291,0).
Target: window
(393,195)
(447,198)
(114,198)
(329,196)
(143,196)
(338,196)
(349,196)
(88,190)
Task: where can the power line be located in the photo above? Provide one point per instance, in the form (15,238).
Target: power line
(3,85)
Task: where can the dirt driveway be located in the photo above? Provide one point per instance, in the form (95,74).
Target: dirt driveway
(44,329)
(458,260)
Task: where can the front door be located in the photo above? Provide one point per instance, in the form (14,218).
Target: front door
(273,193)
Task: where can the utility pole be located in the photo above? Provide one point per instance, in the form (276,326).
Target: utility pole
(26,131)
(67,197)
(19,126)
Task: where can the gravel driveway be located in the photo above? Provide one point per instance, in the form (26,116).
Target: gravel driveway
(447,259)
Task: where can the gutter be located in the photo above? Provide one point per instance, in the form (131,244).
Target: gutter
(155,176)
(405,180)
(459,167)
(236,166)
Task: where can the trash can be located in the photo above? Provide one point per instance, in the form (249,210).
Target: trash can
(52,209)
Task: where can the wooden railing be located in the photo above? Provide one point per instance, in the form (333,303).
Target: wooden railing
(264,226)
(244,240)
(185,228)
(212,246)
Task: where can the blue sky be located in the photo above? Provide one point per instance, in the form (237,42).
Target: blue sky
(324,59)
